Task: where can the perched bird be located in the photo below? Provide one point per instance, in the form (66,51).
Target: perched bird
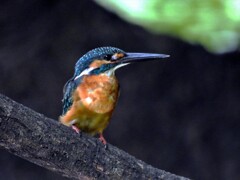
(90,96)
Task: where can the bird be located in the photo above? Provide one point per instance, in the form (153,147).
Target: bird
(90,96)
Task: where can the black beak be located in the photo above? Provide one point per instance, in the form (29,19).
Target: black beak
(138,57)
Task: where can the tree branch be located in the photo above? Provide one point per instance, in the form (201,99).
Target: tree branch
(49,144)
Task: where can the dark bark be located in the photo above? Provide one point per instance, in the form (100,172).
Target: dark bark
(49,144)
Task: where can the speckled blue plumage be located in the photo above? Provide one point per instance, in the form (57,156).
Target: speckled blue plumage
(67,94)
(82,64)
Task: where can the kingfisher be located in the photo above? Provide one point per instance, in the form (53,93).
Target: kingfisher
(90,96)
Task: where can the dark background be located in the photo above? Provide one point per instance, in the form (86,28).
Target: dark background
(180,114)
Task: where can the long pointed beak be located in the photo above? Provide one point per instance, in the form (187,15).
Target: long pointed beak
(138,57)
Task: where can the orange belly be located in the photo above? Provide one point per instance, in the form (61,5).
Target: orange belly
(93,103)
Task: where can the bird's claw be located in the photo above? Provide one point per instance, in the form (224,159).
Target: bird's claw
(106,146)
(103,140)
(77,130)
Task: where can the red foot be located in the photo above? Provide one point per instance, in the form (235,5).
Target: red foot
(76,129)
(102,139)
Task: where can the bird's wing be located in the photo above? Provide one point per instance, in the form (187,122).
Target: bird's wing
(68,90)
(67,95)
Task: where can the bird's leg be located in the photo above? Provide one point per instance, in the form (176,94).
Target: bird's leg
(103,140)
(77,130)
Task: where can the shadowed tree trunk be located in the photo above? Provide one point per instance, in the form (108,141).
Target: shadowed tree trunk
(49,144)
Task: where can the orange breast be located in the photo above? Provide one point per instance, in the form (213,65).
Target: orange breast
(93,103)
(98,93)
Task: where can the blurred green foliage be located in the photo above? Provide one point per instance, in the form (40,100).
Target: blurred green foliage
(215,24)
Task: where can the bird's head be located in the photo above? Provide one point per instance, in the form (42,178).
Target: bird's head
(108,59)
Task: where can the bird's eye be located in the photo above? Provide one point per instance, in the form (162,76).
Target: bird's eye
(108,57)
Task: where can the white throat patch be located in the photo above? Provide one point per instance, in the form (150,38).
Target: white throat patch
(112,71)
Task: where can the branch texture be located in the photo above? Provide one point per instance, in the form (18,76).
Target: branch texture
(49,144)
